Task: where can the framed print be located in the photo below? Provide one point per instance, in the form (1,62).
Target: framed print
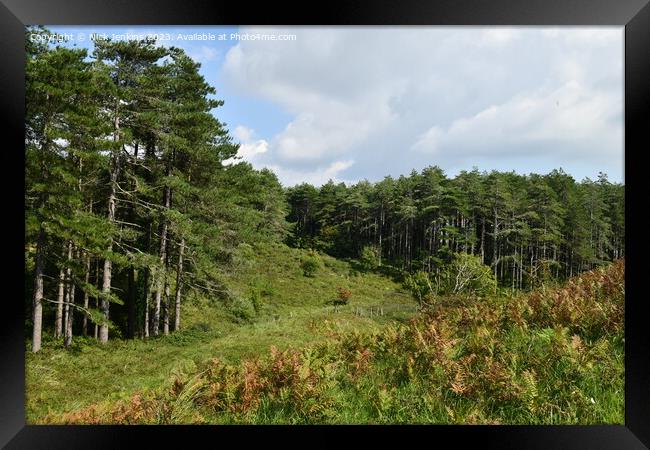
(356,220)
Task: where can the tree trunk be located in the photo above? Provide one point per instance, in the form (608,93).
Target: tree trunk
(69,302)
(381,231)
(160,276)
(132,292)
(96,331)
(483,241)
(147,290)
(179,287)
(37,312)
(146,303)
(112,199)
(502,266)
(84,325)
(166,307)
(494,250)
(162,255)
(521,266)
(58,318)
(167,292)
(131,322)
(106,290)
(66,296)
(514,268)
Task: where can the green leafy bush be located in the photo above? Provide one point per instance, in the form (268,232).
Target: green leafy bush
(242,310)
(369,258)
(466,274)
(310,265)
(420,285)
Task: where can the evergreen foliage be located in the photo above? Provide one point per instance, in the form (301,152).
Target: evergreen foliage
(529,229)
(129,206)
(132,210)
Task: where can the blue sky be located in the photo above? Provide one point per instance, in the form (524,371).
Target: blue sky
(352,103)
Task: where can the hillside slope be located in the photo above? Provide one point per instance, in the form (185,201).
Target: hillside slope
(292,311)
(546,357)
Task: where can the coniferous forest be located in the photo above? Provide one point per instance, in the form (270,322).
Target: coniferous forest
(524,227)
(144,239)
(128,203)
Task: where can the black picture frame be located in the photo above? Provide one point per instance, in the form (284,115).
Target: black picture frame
(634,15)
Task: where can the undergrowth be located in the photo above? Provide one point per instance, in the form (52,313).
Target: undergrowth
(546,357)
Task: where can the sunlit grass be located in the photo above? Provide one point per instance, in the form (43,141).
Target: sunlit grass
(554,356)
(294,313)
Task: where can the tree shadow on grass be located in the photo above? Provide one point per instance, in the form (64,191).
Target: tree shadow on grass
(385,270)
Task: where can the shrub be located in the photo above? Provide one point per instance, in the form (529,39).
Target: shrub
(342,296)
(369,258)
(242,310)
(419,285)
(486,362)
(310,266)
(256,300)
(467,274)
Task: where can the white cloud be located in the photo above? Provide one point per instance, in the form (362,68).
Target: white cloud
(589,36)
(243,133)
(330,131)
(253,151)
(498,36)
(317,177)
(203,54)
(249,148)
(393,99)
(571,114)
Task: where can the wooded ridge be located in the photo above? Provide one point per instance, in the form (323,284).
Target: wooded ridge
(129,203)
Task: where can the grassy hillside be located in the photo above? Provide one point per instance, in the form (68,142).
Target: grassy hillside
(546,357)
(292,311)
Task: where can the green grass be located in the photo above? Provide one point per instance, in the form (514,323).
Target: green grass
(293,313)
(553,356)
